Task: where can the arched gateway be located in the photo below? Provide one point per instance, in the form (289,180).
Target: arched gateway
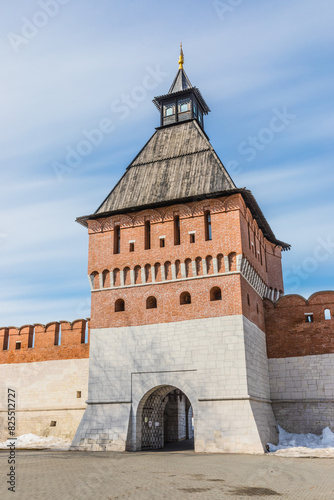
(164,415)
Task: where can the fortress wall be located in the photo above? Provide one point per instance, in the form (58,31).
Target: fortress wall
(45,392)
(302,391)
(290,335)
(37,342)
(50,381)
(301,361)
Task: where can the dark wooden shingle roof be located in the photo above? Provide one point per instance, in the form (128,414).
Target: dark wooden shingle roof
(177,162)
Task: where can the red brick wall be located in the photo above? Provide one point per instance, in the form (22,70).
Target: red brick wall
(168,302)
(233,229)
(226,236)
(287,332)
(254,309)
(44,348)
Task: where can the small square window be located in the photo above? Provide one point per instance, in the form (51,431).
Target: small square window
(132,247)
(192,238)
(78,394)
(162,242)
(18,345)
(53,423)
(309,318)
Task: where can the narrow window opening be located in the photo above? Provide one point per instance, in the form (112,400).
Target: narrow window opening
(57,340)
(117,239)
(208,230)
(248,299)
(5,345)
(84,333)
(327,314)
(192,237)
(147,235)
(18,345)
(31,338)
(53,423)
(309,318)
(162,242)
(177,233)
(257,308)
(132,247)
(78,394)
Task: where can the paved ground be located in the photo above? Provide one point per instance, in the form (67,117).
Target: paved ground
(173,474)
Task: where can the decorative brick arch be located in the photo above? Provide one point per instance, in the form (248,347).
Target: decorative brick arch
(151,215)
(118,220)
(212,205)
(94,226)
(233,203)
(182,210)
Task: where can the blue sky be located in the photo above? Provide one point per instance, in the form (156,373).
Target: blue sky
(66,65)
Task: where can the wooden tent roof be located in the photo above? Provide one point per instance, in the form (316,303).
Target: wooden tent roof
(177,162)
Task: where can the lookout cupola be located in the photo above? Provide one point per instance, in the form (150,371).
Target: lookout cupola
(183,101)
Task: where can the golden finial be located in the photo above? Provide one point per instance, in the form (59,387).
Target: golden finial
(181,58)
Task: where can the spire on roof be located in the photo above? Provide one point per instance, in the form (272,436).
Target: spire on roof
(181,58)
(181,81)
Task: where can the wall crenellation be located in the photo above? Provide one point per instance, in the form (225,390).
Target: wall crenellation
(37,342)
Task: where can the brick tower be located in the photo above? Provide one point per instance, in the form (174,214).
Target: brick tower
(179,263)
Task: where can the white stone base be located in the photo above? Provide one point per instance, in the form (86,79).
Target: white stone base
(220,364)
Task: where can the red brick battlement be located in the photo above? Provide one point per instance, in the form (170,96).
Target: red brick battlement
(56,340)
(299,327)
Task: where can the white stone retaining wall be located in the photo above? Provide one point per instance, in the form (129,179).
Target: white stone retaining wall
(45,391)
(302,390)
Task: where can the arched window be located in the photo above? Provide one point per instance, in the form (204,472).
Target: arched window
(137,271)
(126,275)
(95,279)
(119,305)
(185,298)
(232,260)
(327,314)
(106,278)
(187,264)
(151,302)
(215,293)
(178,269)
(199,268)
(116,277)
(168,272)
(220,263)
(157,271)
(148,273)
(209,265)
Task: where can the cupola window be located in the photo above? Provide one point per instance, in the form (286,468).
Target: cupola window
(184,105)
(169,109)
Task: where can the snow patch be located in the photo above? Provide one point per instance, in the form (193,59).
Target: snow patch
(31,441)
(302,445)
